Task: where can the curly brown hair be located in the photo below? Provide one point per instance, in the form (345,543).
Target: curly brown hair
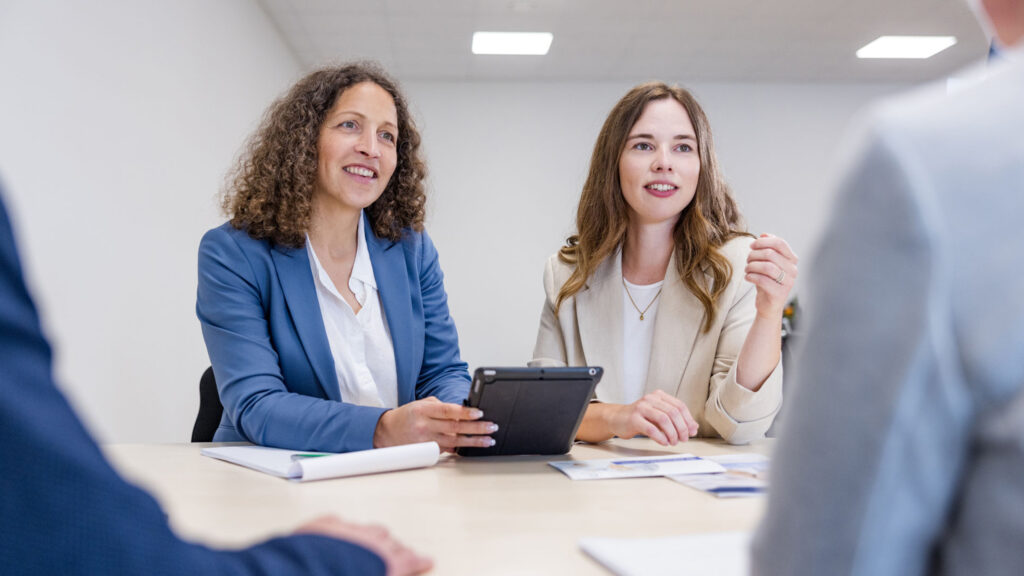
(271,187)
(710,220)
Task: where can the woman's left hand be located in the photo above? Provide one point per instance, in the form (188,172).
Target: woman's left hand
(771,266)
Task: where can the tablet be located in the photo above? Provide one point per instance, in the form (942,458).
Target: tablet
(537,410)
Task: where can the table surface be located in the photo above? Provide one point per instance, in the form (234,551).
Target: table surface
(495,515)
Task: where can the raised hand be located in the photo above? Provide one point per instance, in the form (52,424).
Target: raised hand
(772,267)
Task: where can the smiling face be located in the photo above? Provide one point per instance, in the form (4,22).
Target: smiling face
(357,148)
(659,165)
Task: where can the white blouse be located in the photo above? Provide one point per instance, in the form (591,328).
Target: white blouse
(637,339)
(364,356)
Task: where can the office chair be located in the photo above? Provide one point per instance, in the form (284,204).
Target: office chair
(210,409)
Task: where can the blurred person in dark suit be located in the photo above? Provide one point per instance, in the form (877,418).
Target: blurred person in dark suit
(64,510)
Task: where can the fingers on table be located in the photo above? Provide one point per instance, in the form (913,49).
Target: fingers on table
(658,424)
(399,558)
(404,561)
(689,422)
(665,418)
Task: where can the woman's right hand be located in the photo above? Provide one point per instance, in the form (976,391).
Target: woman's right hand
(430,420)
(658,415)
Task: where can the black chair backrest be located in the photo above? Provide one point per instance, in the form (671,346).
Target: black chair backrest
(210,409)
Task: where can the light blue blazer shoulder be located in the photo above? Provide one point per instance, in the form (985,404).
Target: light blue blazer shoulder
(266,339)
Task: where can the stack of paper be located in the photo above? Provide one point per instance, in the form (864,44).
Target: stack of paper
(306,466)
(673,464)
(745,475)
(721,554)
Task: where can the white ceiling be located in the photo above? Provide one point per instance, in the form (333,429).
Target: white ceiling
(687,40)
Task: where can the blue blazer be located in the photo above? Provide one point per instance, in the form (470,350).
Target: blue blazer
(63,509)
(265,335)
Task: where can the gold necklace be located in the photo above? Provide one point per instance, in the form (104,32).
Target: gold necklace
(633,302)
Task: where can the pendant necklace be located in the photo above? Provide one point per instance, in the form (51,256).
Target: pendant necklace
(633,302)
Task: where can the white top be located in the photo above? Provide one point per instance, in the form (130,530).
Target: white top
(637,338)
(364,357)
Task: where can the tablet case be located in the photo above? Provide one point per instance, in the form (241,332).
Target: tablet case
(537,410)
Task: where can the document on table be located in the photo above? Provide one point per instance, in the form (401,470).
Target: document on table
(719,553)
(672,464)
(306,466)
(745,475)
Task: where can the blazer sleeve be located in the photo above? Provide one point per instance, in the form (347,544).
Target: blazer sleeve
(550,349)
(443,374)
(233,315)
(737,413)
(66,511)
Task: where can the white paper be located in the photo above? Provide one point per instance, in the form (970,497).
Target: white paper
(273,461)
(280,463)
(370,461)
(718,553)
(672,464)
(745,476)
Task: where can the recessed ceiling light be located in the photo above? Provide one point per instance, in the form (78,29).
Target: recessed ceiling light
(520,43)
(906,46)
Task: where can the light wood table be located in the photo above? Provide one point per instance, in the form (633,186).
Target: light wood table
(496,515)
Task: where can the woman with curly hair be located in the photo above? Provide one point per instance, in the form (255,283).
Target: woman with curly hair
(688,348)
(321,300)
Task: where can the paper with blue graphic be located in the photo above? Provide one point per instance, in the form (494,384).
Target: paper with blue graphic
(670,465)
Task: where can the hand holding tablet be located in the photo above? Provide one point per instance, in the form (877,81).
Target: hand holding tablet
(537,410)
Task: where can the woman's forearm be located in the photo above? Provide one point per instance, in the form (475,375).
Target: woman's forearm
(760,353)
(595,427)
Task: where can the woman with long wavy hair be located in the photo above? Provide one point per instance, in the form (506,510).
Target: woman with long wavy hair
(663,287)
(321,300)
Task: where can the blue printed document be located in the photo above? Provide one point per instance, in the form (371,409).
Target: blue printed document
(745,475)
(670,465)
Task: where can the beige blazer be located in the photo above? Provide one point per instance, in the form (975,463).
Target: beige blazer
(698,368)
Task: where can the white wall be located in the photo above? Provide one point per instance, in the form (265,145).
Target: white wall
(118,121)
(507,163)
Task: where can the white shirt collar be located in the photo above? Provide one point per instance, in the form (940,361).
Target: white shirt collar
(362,268)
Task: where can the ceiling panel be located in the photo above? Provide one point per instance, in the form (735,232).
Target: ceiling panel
(709,40)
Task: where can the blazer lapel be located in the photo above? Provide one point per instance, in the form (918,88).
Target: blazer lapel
(296,277)
(388,260)
(599,314)
(679,321)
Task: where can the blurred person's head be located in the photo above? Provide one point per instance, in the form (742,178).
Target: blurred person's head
(1002,20)
(341,134)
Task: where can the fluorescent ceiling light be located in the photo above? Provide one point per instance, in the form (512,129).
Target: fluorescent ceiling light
(523,43)
(906,46)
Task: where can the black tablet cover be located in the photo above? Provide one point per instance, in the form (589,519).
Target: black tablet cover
(537,410)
